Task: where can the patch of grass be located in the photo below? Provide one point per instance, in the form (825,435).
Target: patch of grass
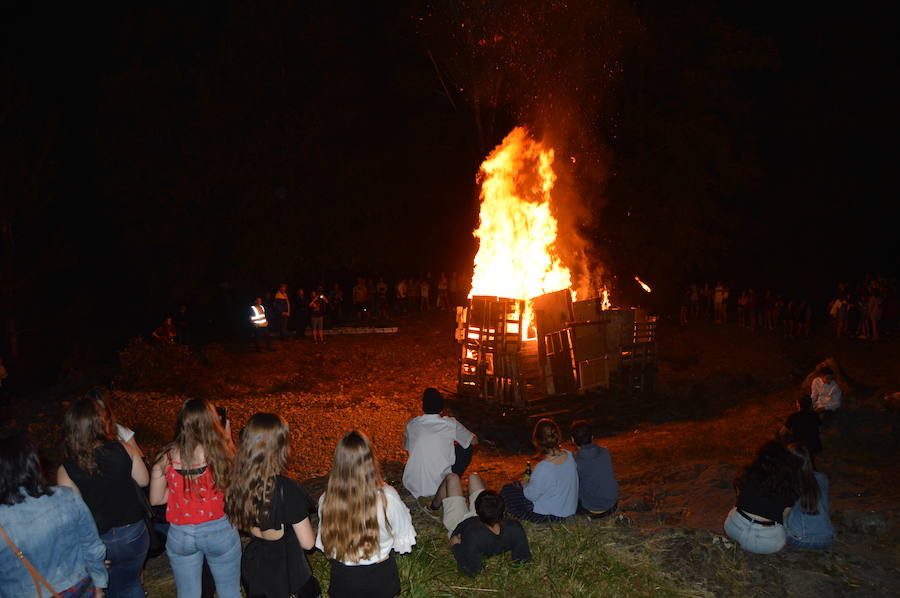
(572,560)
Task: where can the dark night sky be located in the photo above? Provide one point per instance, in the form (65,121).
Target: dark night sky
(154,152)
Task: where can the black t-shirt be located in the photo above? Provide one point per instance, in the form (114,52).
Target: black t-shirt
(753,499)
(290,504)
(279,567)
(804,427)
(111,494)
(479,541)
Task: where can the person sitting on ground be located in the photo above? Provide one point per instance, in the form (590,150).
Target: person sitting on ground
(808,525)
(552,492)
(166,331)
(476,527)
(825,392)
(766,488)
(436,445)
(802,427)
(598,490)
(48,525)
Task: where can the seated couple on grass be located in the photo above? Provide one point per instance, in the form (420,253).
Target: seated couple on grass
(563,484)
(476,527)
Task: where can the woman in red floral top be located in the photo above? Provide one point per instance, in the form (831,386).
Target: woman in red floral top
(191,476)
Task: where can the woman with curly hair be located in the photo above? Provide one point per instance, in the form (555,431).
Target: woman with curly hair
(808,524)
(50,526)
(274,510)
(766,488)
(361,520)
(104,472)
(190,477)
(551,494)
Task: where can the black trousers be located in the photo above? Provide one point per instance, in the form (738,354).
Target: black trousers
(381,580)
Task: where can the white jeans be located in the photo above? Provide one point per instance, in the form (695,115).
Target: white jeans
(753,537)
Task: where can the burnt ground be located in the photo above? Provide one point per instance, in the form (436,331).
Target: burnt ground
(722,391)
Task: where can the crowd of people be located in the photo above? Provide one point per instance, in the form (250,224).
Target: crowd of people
(861,311)
(90,534)
(781,497)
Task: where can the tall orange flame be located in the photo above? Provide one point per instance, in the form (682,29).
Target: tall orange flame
(517,231)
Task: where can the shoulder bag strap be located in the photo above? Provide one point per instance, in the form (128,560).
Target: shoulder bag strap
(36,577)
(285,539)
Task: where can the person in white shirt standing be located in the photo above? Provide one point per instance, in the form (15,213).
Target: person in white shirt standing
(437,445)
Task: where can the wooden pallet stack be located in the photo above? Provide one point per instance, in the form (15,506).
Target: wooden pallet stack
(579,347)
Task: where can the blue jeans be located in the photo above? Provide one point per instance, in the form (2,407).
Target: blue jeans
(126,550)
(753,537)
(216,540)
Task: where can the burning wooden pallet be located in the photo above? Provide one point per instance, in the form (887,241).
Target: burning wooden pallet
(569,348)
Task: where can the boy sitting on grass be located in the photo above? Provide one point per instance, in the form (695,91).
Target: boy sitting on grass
(598,490)
(476,527)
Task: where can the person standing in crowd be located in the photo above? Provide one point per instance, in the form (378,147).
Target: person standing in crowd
(436,445)
(300,313)
(766,488)
(274,510)
(551,494)
(808,525)
(362,521)
(401,297)
(477,528)
(260,325)
(282,309)
(443,299)
(50,526)
(361,299)
(336,303)
(424,293)
(317,307)
(104,472)
(598,490)
(381,298)
(190,477)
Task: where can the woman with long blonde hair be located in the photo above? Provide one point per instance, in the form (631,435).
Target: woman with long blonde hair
(361,520)
(191,476)
(274,510)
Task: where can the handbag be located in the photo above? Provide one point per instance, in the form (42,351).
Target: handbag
(36,577)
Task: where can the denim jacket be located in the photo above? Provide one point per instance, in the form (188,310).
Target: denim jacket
(811,529)
(58,536)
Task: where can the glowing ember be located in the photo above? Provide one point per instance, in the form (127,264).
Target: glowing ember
(517,232)
(643,284)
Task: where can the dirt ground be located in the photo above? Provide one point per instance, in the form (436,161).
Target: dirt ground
(722,391)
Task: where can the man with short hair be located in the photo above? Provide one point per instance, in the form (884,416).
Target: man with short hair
(477,528)
(825,392)
(598,490)
(436,445)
